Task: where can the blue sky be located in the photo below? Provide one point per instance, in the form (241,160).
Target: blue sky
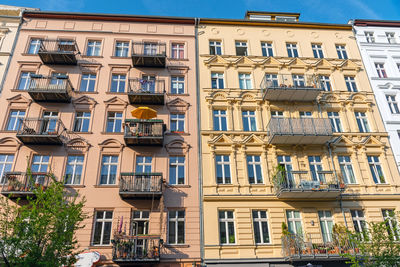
(334,11)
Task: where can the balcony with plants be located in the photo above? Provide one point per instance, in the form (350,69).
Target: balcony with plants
(140,185)
(23,184)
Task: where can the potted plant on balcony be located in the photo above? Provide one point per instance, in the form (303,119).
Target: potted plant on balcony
(11,183)
(286,236)
(279,177)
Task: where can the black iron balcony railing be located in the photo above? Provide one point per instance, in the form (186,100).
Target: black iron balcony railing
(149,54)
(144,132)
(290,87)
(42,131)
(144,185)
(50,89)
(61,52)
(304,184)
(299,130)
(143,91)
(136,249)
(21,184)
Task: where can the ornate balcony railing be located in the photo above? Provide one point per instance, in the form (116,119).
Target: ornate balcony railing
(144,132)
(141,185)
(42,131)
(149,54)
(136,249)
(143,91)
(50,89)
(61,52)
(21,184)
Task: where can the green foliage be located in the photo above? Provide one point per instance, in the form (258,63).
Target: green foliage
(285,229)
(279,176)
(41,232)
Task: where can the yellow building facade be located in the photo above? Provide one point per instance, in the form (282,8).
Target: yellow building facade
(278,92)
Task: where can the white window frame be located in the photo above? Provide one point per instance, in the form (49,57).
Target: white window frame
(277,114)
(176,219)
(75,164)
(341,51)
(257,222)
(91,77)
(252,164)
(324,219)
(351,84)
(103,221)
(268,48)
(114,118)
(223,163)
(121,49)
(336,123)
(393,105)
(373,166)
(174,162)
(18,117)
(292,220)
(369,37)
(245,81)
(226,221)
(218,76)
(391,37)
(386,214)
(108,165)
(178,48)
(34,42)
(292,50)
(357,216)
(241,44)
(177,83)
(120,80)
(317,50)
(177,118)
(347,165)
(26,75)
(216,44)
(325,83)
(141,218)
(219,117)
(143,164)
(81,119)
(248,116)
(380,69)
(362,120)
(4,165)
(95,48)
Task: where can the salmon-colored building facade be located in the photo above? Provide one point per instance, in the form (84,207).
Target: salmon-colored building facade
(73,82)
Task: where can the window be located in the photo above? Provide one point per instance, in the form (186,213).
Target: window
(245,81)
(148,83)
(223,169)
(317,50)
(292,50)
(226,227)
(286,163)
(266,48)
(260,225)
(272,80)
(359,223)
(362,122)
(276,114)
(82,121)
(114,122)
(177,122)
(305,114)
(315,168)
(215,48)
(88,82)
(49,125)
(376,170)
(177,170)
(150,49)
(178,51)
(102,228)
(24,80)
(217,80)
(249,121)
(176,227)
(326,223)
(298,80)
(380,69)
(6,162)
(118,82)
(109,165)
(140,222)
(294,222)
(398,66)
(341,51)
(15,119)
(34,46)
(241,48)
(369,37)
(40,163)
(390,37)
(254,170)
(93,48)
(335,121)
(393,106)
(219,118)
(177,85)
(73,172)
(350,84)
(143,164)
(121,49)
(325,83)
(391,222)
(346,169)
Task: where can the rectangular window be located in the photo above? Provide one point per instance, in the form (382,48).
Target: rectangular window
(178,51)
(88,82)
(109,166)
(143,164)
(286,163)
(254,170)
(34,45)
(122,49)
(350,84)
(315,168)
(82,121)
(362,122)
(272,80)
(148,83)
(25,80)
(102,228)
(217,80)
(369,37)
(325,83)
(177,85)
(249,120)
(317,50)
(305,114)
(389,216)
(150,49)
(176,227)
(40,163)
(177,122)
(215,48)
(140,222)
(292,50)
(341,51)
(241,48)
(266,48)
(391,38)
(376,169)
(223,169)
(326,223)
(245,81)
(260,225)
(177,170)
(6,162)
(118,82)
(346,168)
(298,80)
(380,70)
(114,122)
(219,118)
(226,227)
(276,114)
(359,223)
(93,48)
(335,121)
(74,169)
(294,222)
(15,120)
(49,125)
(393,106)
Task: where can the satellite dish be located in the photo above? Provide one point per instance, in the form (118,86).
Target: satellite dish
(87,259)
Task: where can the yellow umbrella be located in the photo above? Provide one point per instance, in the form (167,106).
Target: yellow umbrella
(144,113)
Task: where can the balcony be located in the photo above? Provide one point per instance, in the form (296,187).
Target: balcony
(299,131)
(291,87)
(144,132)
(42,131)
(61,52)
(50,89)
(147,54)
(149,92)
(140,185)
(21,185)
(136,249)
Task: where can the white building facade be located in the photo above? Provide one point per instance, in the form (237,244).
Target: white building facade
(379,44)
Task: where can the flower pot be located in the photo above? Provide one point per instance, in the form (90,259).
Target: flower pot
(10,188)
(357,250)
(316,251)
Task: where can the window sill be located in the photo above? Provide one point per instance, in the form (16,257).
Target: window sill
(81,132)
(74,186)
(27,54)
(169,94)
(116,57)
(176,245)
(115,93)
(112,133)
(6,131)
(84,92)
(177,133)
(99,246)
(105,186)
(177,59)
(256,185)
(19,90)
(179,185)
(86,56)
